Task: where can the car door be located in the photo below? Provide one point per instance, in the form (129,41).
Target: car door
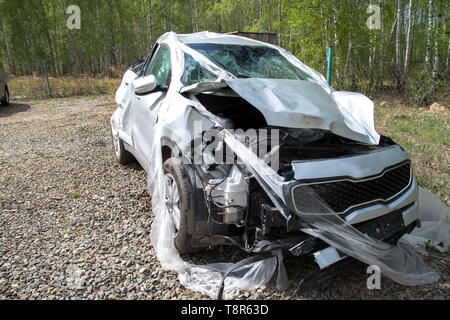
(146,104)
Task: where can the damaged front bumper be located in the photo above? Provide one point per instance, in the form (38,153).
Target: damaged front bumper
(365,191)
(388,228)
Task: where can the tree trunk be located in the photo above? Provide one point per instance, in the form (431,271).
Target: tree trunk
(350,67)
(55,31)
(383,41)
(279,23)
(447,64)
(383,58)
(408,42)
(372,57)
(398,77)
(190,16)
(196,15)
(260,16)
(47,36)
(336,42)
(448,45)
(5,48)
(112,59)
(166,27)
(72,52)
(429,36)
(150,25)
(435,74)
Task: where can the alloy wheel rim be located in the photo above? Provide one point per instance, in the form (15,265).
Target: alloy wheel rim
(172,199)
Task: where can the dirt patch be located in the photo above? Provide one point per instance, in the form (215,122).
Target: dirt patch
(75,224)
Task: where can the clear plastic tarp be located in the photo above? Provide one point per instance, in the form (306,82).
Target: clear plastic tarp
(435,224)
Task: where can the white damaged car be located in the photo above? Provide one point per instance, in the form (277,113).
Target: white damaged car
(256,149)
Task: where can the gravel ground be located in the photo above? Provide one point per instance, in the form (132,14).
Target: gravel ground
(74,224)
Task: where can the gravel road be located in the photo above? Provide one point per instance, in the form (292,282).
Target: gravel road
(74,224)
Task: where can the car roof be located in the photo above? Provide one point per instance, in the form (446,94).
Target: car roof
(218,38)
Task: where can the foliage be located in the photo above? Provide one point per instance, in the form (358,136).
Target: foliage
(425,136)
(115,33)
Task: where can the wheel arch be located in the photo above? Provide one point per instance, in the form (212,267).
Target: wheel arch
(169,149)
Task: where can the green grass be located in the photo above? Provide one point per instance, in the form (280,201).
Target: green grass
(30,87)
(425,135)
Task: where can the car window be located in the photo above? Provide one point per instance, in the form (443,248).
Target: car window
(160,66)
(148,59)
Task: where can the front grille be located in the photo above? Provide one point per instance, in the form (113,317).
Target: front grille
(342,195)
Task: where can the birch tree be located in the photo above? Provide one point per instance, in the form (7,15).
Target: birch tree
(408,41)
(435,73)
(429,36)
(398,47)
(150,24)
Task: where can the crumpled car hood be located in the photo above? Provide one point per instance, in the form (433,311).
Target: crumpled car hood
(306,104)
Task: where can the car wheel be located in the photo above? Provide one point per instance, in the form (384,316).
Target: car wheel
(5,102)
(122,155)
(179,202)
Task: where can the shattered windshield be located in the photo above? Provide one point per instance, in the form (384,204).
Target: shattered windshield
(246,62)
(194,72)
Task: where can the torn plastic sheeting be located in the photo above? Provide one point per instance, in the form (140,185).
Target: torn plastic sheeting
(207,278)
(268,179)
(179,62)
(203,278)
(435,224)
(399,263)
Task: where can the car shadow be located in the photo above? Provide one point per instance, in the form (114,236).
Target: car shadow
(13,108)
(135,166)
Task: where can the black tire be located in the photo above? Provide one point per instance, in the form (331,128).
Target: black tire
(183,240)
(122,155)
(5,101)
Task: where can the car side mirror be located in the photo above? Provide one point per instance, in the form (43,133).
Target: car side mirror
(145,84)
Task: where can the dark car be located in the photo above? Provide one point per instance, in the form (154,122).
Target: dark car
(4,92)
